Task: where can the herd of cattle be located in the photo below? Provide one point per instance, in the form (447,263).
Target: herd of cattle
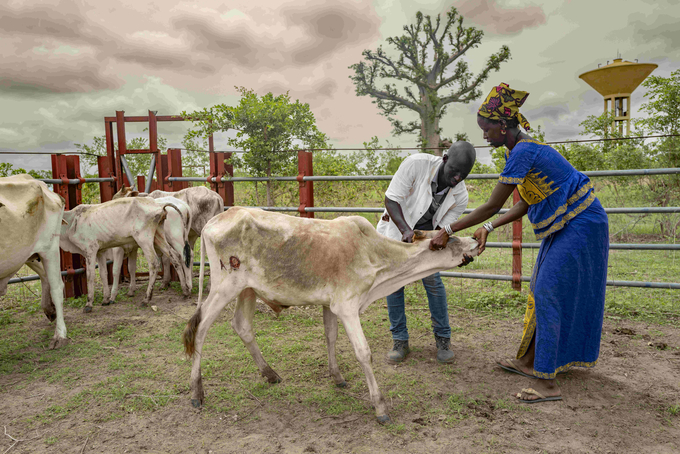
(342,265)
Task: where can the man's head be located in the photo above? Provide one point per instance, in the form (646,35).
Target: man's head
(457,164)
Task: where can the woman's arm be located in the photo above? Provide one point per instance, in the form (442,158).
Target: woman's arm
(514,213)
(498,197)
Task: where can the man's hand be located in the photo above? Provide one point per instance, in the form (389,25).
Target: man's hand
(480,235)
(467,259)
(439,241)
(407,236)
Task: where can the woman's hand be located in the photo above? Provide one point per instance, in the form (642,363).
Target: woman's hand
(480,235)
(439,240)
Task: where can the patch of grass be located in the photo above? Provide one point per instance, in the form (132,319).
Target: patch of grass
(674,410)
(51,440)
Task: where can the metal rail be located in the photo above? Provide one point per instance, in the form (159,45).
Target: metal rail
(74,181)
(631,210)
(474,176)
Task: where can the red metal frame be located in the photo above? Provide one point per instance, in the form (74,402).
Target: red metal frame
(65,168)
(305,169)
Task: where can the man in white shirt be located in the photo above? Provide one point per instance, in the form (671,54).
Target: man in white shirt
(426,192)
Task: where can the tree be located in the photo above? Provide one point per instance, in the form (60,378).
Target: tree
(7,170)
(424,71)
(267,126)
(664,115)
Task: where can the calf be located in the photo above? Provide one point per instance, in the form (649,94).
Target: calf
(30,217)
(203,203)
(93,228)
(343,265)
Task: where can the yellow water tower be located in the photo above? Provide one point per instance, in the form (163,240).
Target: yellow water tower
(616,82)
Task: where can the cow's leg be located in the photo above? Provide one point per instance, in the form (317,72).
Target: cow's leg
(363,353)
(46,298)
(118,255)
(51,264)
(146,245)
(104,275)
(243,325)
(90,260)
(209,311)
(167,274)
(132,268)
(330,324)
(161,243)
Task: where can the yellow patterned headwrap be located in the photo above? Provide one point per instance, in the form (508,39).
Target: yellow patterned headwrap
(504,103)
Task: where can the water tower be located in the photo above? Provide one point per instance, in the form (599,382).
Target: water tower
(616,82)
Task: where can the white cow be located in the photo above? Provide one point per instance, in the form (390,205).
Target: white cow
(30,218)
(92,229)
(177,227)
(204,204)
(343,265)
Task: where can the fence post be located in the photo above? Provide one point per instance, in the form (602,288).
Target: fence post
(106,189)
(175,169)
(516,248)
(305,169)
(65,168)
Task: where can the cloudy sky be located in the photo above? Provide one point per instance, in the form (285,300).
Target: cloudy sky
(66,64)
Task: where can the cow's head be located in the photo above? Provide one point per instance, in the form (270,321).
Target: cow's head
(125,191)
(458,245)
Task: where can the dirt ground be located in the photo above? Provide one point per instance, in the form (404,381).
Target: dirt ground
(629,403)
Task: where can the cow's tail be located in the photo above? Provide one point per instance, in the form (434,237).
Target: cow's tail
(201,272)
(189,334)
(187,225)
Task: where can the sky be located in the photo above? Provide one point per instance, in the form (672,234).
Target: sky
(66,65)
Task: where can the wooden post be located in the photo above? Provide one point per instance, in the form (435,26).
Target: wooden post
(516,248)
(305,169)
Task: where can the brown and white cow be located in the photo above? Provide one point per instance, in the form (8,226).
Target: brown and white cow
(92,229)
(30,218)
(343,265)
(204,204)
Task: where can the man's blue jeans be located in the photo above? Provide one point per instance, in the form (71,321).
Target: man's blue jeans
(439,313)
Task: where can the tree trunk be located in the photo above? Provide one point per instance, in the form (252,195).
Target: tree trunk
(429,124)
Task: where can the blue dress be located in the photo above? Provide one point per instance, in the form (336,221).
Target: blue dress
(567,291)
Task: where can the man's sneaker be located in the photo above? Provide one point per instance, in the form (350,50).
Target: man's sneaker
(398,352)
(444,354)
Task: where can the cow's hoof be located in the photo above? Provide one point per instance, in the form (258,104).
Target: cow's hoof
(383,420)
(196,403)
(57,343)
(107,303)
(87,309)
(341,385)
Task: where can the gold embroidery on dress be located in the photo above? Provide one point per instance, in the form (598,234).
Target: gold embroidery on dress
(529,325)
(509,180)
(535,188)
(567,217)
(563,209)
(563,368)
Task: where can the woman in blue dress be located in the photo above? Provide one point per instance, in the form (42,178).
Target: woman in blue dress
(563,320)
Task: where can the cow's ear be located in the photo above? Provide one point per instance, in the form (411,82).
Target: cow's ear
(133,194)
(419,235)
(63,222)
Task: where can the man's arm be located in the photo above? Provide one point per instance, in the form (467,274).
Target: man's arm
(397,216)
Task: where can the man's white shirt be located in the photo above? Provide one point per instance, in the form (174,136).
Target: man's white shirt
(411,189)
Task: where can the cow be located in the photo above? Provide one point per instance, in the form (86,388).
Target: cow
(204,204)
(343,265)
(30,218)
(92,229)
(176,227)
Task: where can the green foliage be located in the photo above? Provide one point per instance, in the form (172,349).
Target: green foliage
(266,127)
(663,108)
(7,169)
(429,68)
